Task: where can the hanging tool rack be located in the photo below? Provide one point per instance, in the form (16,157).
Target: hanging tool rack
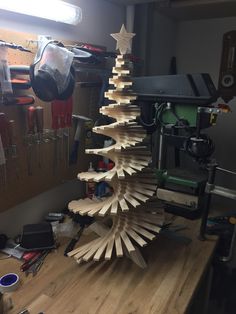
(36,151)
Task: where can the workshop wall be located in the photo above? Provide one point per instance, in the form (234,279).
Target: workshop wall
(33,210)
(198,49)
(100,18)
(155,39)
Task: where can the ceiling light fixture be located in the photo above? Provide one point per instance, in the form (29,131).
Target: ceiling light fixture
(55,10)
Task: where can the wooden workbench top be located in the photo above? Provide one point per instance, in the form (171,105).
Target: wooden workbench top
(119,287)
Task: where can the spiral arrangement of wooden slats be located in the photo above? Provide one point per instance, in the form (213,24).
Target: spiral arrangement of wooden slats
(133,205)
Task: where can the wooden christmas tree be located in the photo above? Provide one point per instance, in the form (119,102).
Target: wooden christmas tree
(132,207)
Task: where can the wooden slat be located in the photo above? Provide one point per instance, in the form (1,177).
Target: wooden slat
(143,232)
(127,242)
(109,249)
(119,250)
(136,237)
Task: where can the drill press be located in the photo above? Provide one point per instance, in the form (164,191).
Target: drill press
(180,108)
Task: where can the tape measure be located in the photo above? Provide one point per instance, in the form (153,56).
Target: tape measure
(9,282)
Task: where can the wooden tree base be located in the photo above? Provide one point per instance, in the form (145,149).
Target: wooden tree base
(127,229)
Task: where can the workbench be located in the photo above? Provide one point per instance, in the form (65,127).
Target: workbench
(169,285)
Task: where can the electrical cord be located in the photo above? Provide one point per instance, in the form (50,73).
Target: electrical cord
(157,120)
(161,108)
(148,125)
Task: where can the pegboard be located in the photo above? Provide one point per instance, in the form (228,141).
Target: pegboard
(19,185)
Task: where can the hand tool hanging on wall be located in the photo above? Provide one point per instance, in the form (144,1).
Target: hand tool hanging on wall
(97,51)
(4,132)
(88,54)
(61,123)
(13,46)
(31,123)
(5,144)
(8,142)
(2,164)
(19,70)
(24,100)
(39,126)
(5,76)
(20,83)
(84,56)
(13,146)
(82,124)
(17,81)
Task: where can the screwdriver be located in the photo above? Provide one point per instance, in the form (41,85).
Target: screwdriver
(68,122)
(3,161)
(39,127)
(62,121)
(55,124)
(12,137)
(31,120)
(4,132)
(13,147)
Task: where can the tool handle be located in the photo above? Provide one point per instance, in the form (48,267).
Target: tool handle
(4,130)
(31,119)
(12,133)
(25,100)
(2,153)
(63,119)
(55,110)
(39,119)
(68,113)
(62,113)
(28,264)
(20,84)
(29,255)
(73,242)
(19,69)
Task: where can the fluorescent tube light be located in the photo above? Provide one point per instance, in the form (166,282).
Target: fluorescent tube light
(55,10)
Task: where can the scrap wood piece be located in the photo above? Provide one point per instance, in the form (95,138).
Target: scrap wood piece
(134,235)
(109,249)
(144,232)
(128,244)
(118,245)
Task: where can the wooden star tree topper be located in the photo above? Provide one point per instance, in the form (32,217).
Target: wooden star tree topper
(123,39)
